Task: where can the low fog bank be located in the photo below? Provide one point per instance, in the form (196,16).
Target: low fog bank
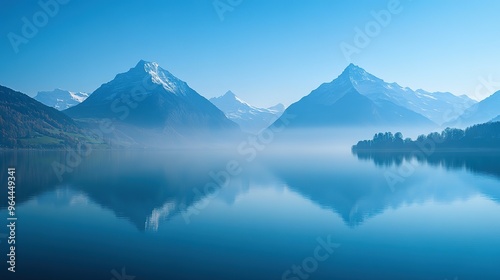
(277,139)
(320,140)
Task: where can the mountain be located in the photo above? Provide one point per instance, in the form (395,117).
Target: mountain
(340,103)
(61,99)
(27,123)
(432,105)
(149,97)
(497,119)
(277,108)
(482,112)
(250,118)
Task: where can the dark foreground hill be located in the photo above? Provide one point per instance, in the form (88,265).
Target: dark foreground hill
(480,136)
(27,123)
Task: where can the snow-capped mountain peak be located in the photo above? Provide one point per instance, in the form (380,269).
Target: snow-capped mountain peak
(61,99)
(149,96)
(162,77)
(432,105)
(357,74)
(250,118)
(229,96)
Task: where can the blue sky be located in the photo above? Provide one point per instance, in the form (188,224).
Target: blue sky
(266,51)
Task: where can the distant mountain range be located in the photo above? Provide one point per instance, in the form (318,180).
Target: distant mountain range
(61,99)
(147,106)
(27,123)
(250,118)
(484,111)
(148,102)
(342,103)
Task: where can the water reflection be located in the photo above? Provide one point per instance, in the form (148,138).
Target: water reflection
(34,173)
(143,187)
(147,188)
(125,209)
(482,162)
(476,162)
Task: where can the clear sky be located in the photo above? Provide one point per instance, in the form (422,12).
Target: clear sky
(266,51)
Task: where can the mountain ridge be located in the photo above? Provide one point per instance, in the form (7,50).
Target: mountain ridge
(61,99)
(484,111)
(27,123)
(339,103)
(150,96)
(432,105)
(250,118)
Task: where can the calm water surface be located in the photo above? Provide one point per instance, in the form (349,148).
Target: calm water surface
(330,215)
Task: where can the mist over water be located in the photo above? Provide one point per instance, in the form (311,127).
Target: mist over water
(254,209)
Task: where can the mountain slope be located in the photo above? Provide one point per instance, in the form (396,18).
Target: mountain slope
(27,123)
(250,118)
(148,96)
(433,105)
(339,103)
(481,112)
(61,99)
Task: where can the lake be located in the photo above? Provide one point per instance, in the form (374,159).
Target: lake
(221,215)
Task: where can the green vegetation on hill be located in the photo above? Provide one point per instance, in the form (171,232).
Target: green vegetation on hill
(27,123)
(480,136)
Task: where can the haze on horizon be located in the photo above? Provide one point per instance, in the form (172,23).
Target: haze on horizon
(265,52)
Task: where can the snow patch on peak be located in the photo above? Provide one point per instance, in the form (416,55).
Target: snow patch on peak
(230,98)
(61,99)
(242,101)
(79,96)
(163,78)
(354,68)
(356,75)
(250,118)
